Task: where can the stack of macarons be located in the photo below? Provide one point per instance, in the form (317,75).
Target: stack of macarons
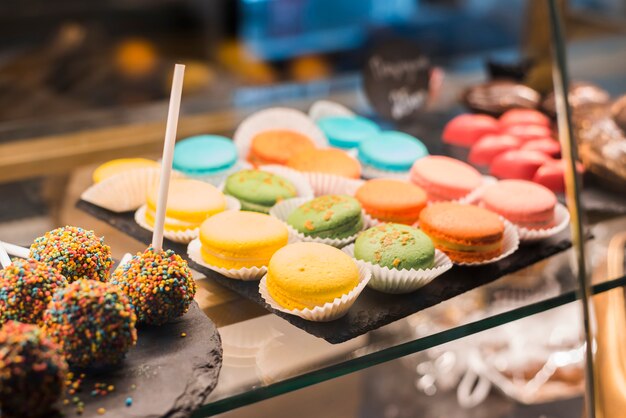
(444,178)
(390,200)
(259,190)
(347,132)
(520,144)
(389,154)
(207,157)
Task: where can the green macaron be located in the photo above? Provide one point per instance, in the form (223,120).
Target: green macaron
(332,216)
(258,190)
(395,246)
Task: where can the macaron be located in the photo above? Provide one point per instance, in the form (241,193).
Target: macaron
(308,274)
(488,147)
(523,117)
(331,216)
(346,132)
(528,132)
(258,190)
(548,146)
(204,155)
(391,151)
(235,240)
(465,233)
(277,146)
(392,200)
(327,160)
(464,130)
(522,202)
(395,246)
(120,165)
(518,164)
(552,175)
(189,203)
(444,178)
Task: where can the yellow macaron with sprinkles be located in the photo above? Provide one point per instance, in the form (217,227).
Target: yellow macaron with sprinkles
(235,240)
(120,165)
(308,274)
(189,203)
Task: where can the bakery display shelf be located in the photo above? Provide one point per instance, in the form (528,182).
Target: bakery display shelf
(372,309)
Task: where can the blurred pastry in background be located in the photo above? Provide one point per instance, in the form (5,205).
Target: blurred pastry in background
(496,97)
(135,58)
(309,68)
(581,94)
(238,59)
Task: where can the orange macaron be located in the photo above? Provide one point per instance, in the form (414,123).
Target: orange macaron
(465,233)
(277,146)
(392,200)
(326,160)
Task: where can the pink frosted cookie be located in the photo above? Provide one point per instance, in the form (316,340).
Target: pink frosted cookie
(528,132)
(488,147)
(524,117)
(518,164)
(546,145)
(444,178)
(464,130)
(522,202)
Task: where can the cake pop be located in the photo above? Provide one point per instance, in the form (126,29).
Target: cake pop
(159,285)
(93,323)
(75,252)
(32,371)
(26,288)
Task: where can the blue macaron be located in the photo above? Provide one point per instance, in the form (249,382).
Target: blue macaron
(391,151)
(347,131)
(204,155)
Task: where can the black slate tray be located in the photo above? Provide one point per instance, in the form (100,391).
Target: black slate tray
(172,375)
(372,309)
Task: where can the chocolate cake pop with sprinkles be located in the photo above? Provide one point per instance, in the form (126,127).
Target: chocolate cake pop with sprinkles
(76,252)
(32,371)
(159,285)
(93,323)
(26,288)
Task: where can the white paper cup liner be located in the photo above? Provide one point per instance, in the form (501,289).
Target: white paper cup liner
(510,244)
(326,108)
(397,281)
(327,312)
(217,179)
(369,172)
(299,181)
(282,210)
(561,217)
(186,235)
(245,274)
(325,184)
(276,118)
(125,191)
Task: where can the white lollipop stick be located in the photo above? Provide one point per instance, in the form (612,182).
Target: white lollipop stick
(5,260)
(16,250)
(124,260)
(168,155)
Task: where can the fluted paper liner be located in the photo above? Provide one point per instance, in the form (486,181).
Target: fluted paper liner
(510,244)
(369,172)
(397,281)
(327,312)
(326,108)
(561,217)
(245,274)
(186,235)
(325,184)
(125,191)
(282,210)
(276,118)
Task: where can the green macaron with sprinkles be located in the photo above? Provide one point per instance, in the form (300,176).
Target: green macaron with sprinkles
(395,246)
(330,216)
(259,190)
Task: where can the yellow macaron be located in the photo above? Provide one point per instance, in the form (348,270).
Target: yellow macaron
(308,274)
(189,203)
(235,240)
(121,165)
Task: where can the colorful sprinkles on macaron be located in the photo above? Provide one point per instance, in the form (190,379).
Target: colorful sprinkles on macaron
(75,252)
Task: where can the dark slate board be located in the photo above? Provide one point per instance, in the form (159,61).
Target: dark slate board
(173,375)
(372,309)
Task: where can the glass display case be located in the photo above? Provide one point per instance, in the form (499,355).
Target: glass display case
(90,85)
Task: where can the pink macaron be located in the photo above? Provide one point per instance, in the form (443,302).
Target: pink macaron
(464,130)
(522,202)
(489,146)
(523,117)
(552,175)
(518,164)
(528,132)
(444,178)
(546,145)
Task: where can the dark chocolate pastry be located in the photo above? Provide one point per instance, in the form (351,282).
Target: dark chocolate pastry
(496,97)
(509,70)
(618,111)
(580,94)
